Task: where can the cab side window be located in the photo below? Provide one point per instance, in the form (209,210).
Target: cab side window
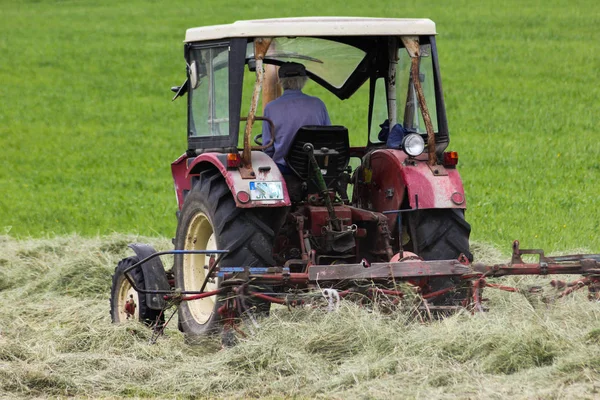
(209,95)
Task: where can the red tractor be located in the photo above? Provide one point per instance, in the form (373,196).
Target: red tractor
(342,221)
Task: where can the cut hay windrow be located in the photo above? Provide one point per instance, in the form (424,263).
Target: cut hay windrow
(56,339)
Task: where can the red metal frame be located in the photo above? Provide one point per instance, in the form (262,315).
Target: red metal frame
(425,186)
(184,168)
(474,275)
(433,186)
(373,280)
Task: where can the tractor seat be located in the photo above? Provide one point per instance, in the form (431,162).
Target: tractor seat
(332,162)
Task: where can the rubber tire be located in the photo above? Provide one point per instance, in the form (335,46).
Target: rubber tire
(441,234)
(247,233)
(147,315)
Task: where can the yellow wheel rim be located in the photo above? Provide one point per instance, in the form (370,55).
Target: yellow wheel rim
(125,291)
(199,236)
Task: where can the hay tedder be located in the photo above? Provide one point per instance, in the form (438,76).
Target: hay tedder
(383,221)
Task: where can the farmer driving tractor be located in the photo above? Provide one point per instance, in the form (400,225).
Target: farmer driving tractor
(290,112)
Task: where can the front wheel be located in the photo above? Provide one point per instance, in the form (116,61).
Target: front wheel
(210,220)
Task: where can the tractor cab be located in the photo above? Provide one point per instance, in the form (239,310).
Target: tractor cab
(341,56)
(380,81)
(379,76)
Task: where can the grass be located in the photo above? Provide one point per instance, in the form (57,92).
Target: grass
(88,131)
(56,340)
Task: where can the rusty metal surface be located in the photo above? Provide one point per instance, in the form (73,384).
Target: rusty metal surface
(517,252)
(261,45)
(412,46)
(353,277)
(579,264)
(318,217)
(575,268)
(424,112)
(377,271)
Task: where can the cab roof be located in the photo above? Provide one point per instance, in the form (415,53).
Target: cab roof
(313,26)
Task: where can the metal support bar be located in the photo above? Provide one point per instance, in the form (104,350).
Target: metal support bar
(201,295)
(587,265)
(324,191)
(388,270)
(221,253)
(412,47)
(574,268)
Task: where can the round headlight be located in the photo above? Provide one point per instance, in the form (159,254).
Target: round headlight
(413,144)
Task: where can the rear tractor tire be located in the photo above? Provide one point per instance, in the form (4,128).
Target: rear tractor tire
(210,220)
(121,292)
(441,234)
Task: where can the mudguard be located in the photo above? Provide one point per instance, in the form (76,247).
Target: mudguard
(155,277)
(185,169)
(390,176)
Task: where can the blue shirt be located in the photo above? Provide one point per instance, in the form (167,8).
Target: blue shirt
(289,113)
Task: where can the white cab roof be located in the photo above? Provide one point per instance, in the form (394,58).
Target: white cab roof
(313,26)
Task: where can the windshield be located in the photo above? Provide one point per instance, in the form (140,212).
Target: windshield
(331,61)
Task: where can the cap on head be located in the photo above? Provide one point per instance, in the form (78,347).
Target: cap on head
(291,69)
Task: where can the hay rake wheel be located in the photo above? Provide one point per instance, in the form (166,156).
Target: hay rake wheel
(123,290)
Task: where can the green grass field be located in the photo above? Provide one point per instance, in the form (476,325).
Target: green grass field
(88,132)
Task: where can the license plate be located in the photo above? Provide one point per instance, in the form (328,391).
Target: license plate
(260,190)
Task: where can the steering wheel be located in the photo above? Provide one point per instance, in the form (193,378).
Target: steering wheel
(258,138)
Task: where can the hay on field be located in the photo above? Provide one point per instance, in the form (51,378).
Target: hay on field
(56,339)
